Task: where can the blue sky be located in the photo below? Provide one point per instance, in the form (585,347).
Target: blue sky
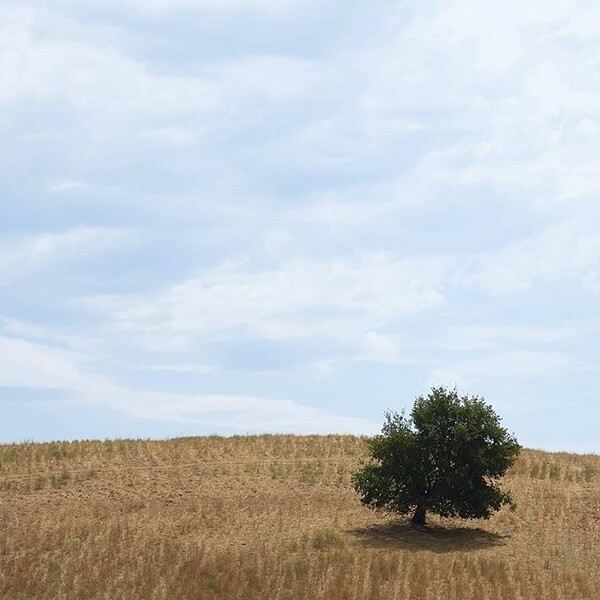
(228,216)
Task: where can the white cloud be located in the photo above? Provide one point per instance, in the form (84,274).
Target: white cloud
(465,132)
(162,7)
(381,347)
(47,334)
(277,241)
(496,337)
(24,363)
(65,186)
(591,282)
(239,413)
(322,369)
(512,364)
(298,299)
(114,94)
(178,368)
(27,364)
(22,255)
(94,78)
(385,348)
(569,251)
(342,215)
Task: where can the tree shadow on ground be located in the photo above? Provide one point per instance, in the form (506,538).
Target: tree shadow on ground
(435,538)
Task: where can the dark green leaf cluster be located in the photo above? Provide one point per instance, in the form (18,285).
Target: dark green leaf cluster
(447,458)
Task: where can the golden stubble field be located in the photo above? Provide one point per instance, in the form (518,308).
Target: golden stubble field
(263,517)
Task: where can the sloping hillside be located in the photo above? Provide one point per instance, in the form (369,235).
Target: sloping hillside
(275,517)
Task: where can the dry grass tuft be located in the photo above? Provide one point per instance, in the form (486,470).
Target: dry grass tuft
(274,517)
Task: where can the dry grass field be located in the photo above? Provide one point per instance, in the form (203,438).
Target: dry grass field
(275,517)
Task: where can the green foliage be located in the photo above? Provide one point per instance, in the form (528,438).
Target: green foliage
(447,458)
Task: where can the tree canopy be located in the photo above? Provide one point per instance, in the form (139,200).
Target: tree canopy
(447,457)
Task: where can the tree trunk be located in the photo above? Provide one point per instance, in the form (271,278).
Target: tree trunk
(418,519)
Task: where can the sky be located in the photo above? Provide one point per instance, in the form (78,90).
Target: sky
(241,216)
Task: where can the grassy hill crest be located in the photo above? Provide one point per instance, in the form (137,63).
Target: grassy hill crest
(274,516)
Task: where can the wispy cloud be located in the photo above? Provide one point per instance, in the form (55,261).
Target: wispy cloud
(65,186)
(567,252)
(309,200)
(517,363)
(20,255)
(34,365)
(298,299)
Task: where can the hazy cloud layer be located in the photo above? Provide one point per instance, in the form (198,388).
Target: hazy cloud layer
(290,215)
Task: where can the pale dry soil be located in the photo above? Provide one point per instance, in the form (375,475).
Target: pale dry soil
(275,517)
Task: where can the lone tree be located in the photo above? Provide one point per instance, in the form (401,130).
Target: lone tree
(447,458)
